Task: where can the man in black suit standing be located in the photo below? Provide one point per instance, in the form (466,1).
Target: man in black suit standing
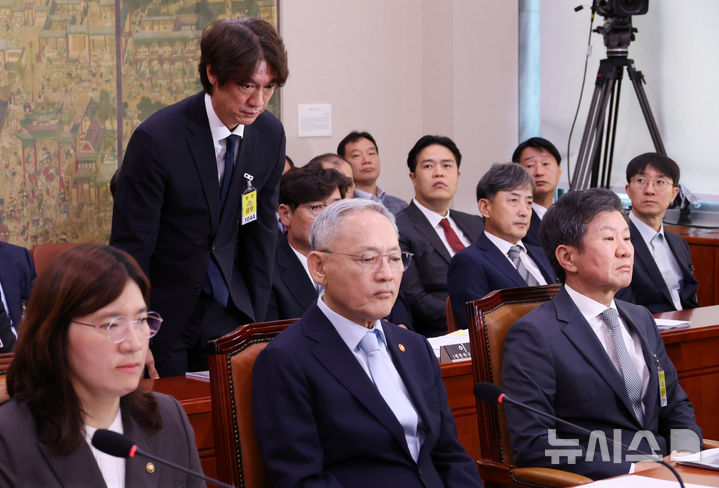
(663,278)
(433,232)
(197,194)
(542,161)
(17,275)
(304,193)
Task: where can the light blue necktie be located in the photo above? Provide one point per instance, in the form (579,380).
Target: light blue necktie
(632,380)
(514,253)
(390,390)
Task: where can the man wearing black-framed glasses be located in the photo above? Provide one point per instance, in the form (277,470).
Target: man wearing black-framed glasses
(663,276)
(359,400)
(304,193)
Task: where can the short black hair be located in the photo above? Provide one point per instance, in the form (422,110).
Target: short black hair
(566,221)
(503,177)
(302,185)
(539,143)
(352,137)
(663,164)
(428,140)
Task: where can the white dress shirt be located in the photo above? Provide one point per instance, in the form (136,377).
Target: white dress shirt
(527,261)
(434,219)
(220,133)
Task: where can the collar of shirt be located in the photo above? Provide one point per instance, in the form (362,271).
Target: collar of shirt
(350,332)
(303,261)
(433,217)
(219,131)
(503,245)
(589,308)
(539,210)
(646,232)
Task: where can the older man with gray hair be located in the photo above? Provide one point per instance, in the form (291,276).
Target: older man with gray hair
(499,258)
(343,398)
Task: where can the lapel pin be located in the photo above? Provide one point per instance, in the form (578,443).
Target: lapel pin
(401,347)
(150,468)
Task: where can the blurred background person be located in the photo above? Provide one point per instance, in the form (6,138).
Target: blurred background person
(77,367)
(332,160)
(360,149)
(543,163)
(304,193)
(17,275)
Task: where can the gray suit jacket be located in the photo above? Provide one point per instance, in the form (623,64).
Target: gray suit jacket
(27,462)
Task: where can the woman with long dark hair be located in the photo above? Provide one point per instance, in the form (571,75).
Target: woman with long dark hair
(78,362)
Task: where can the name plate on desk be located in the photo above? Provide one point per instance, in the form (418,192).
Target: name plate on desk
(452,353)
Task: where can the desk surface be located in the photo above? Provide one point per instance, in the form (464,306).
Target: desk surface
(697,476)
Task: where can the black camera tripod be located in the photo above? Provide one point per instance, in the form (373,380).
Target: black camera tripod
(593,170)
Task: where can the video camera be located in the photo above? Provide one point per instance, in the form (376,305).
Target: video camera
(617,30)
(620,8)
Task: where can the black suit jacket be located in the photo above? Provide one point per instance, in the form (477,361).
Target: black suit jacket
(481,268)
(554,362)
(321,421)
(532,236)
(424,284)
(26,461)
(17,276)
(167,213)
(648,287)
(292,289)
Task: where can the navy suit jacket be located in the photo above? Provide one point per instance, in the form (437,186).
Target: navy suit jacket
(648,287)
(167,213)
(481,268)
(424,284)
(292,289)
(17,276)
(321,422)
(532,236)
(554,362)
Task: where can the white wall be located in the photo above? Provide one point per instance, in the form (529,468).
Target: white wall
(400,69)
(675,49)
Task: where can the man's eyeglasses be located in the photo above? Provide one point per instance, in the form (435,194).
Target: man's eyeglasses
(371,261)
(118,327)
(659,184)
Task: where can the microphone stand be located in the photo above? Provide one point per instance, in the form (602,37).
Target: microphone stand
(484,391)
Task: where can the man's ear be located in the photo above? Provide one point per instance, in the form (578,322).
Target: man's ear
(565,257)
(483,206)
(285,214)
(316,265)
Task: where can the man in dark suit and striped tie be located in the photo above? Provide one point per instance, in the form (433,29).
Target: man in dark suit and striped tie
(499,258)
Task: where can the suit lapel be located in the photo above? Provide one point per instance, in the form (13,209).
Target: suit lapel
(498,260)
(585,340)
(406,372)
(421,224)
(332,352)
(540,259)
(293,274)
(650,404)
(136,472)
(646,260)
(199,140)
(468,225)
(78,468)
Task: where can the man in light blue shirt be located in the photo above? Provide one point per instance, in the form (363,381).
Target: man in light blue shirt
(342,398)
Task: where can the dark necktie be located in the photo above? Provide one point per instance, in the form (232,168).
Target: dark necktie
(7,338)
(632,380)
(451,236)
(514,253)
(230,153)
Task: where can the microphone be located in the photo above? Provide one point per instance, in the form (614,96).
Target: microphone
(491,393)
(118,445)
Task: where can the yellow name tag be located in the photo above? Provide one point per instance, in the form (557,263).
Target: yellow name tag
(662,388)
(249,207)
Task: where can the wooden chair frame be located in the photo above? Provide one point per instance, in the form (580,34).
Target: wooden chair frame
(496,464)
(232,443)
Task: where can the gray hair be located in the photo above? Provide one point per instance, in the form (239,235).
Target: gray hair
(503,177)
(327,224)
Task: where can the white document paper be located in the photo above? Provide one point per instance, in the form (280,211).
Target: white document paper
(460,336)
(636,481)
